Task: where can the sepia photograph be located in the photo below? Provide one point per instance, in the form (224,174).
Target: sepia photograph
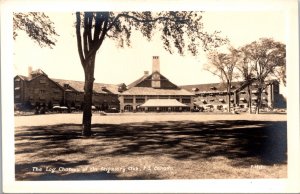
(179,94)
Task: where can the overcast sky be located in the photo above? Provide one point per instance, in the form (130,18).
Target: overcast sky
(124,65)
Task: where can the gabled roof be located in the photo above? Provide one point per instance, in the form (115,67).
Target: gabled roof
(213,87)
(76,86)
(79,86)
(143,86)
(146,81)
(136,82)
(218,87)
(156,91)
(22,77)
(106,88)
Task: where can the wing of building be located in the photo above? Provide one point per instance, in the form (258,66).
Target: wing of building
(38,89)
(215,95)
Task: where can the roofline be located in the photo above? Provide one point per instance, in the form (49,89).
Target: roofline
(215,83)
(145,77)
(20,76)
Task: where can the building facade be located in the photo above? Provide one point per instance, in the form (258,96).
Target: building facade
(155,93)
(37,89)
(150,93)
(215,97)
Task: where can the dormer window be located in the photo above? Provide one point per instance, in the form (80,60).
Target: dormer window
(213,88)
(66,85)
(155,80)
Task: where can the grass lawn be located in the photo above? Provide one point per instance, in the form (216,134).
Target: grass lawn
(151,146)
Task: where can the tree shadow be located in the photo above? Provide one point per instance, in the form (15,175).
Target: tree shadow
(264,141)
(244,142)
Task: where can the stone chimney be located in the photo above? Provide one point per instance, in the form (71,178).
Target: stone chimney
(146,73)
(155,64)
(29,72)
(155,73)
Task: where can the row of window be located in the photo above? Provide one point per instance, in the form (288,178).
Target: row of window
(143,100)
(154,96)
(225,93)
(223,101)
(129,108)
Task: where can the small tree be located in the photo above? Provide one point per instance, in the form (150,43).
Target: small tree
(180,30)
(223,65)
(246,72)
(268,59)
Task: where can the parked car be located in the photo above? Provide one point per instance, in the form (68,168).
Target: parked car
(112,110)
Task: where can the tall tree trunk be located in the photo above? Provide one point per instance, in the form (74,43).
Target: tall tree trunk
(229,102)
(88,98)
(249,99)
(229,95)
(258,100)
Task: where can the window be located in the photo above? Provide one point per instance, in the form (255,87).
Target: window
(140,100)
(254,91)
(163,97)
(128,108)
(243,99)
(152,97)
(17,96)
(254,98)
(42,91)
(186,100)
(128,100)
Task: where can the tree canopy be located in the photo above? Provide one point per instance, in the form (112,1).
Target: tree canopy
(37,26)
(267,57)
(224,66)
(258,61)
(182,31)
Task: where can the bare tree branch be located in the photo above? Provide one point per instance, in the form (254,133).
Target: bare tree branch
(78,35)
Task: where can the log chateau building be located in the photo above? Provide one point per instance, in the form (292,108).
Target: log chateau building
(151,92)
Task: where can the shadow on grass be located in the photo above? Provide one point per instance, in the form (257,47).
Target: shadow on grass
(244,142)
